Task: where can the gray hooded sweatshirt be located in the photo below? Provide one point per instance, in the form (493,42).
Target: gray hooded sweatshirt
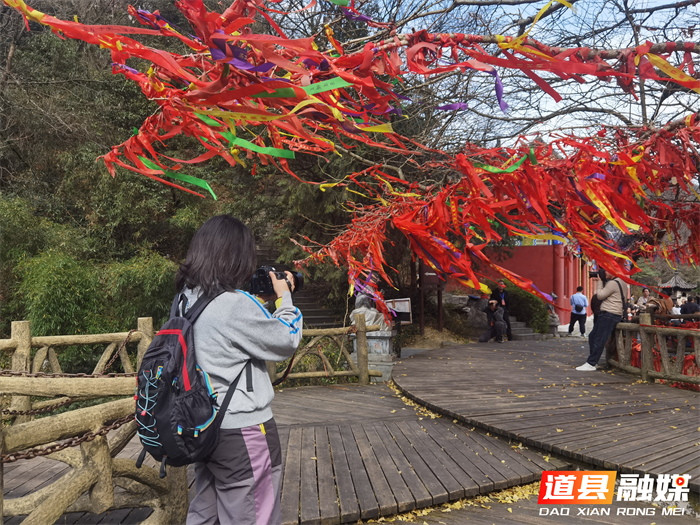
(234,328)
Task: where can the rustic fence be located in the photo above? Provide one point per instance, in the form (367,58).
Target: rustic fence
(338,337)
(88,439)
(671,345)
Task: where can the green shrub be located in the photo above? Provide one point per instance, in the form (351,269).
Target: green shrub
(528,309)
(139,287)
(63,295)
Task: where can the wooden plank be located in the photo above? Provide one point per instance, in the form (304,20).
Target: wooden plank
(421,496)
(292,479)
(347,499)
(380,486)
(136,516)
(467,460)
(528,464)
(432,483)
(401,493)
(115,517)
(516,461)
(445,470)
(75,517)
(369,507)
(327,493)
(309,514)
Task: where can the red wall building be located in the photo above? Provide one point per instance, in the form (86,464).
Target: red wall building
(551,269)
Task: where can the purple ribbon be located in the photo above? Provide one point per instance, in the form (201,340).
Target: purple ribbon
(499,91)
(243,64)
(350,127)
(130,69)
(217,54)
(454,106)
(356,17)
(323,66)
(597,176)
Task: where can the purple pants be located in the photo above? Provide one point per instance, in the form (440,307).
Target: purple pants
(240,484)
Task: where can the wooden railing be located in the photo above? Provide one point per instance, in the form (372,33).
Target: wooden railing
(338,337)
(98,481)
(619,351)
(89,485)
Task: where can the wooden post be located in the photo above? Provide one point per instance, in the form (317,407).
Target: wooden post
(647,342)
(362,358)
(271,370)
(2,472)
(21,358)
(145,326)
(412,270)
(421,300)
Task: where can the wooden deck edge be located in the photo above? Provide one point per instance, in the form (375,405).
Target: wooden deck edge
(542,446)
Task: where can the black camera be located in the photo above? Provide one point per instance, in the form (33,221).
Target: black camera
(261,283)
(599,273)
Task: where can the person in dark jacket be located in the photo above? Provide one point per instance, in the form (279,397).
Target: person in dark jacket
(497,325)
(500,295)
(690,307)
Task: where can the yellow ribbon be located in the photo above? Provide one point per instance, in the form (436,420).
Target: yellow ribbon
(663,65)
(518,42)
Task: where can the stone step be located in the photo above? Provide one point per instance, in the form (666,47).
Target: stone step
(312,312)
(517,324)
(528,337)
(521,330)
(513,319)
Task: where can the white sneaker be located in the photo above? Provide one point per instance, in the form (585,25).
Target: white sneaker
(585,367)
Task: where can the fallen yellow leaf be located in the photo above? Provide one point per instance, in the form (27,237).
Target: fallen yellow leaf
(560,430)
(510,510)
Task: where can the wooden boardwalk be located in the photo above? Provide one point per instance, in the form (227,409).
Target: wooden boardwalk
(349,453)
(529,391)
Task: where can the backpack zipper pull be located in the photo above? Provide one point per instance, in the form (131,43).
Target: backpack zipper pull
(162,467)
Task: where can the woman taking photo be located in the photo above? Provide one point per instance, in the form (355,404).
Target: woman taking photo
(240,482)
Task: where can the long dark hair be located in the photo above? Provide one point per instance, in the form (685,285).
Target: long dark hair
(221,256)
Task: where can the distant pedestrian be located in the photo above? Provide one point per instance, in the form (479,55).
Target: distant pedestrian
(497,325)
(691,307)
(643,300)
(579,303)
(611,310)
(500,295)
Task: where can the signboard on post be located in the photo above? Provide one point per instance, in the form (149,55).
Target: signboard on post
(402,308)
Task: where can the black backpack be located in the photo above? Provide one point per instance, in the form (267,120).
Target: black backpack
(177,414)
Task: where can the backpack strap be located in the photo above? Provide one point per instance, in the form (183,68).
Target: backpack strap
(232,388)
(200,304)
(622,297)
(177,306)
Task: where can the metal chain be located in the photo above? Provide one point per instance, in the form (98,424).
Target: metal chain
(73,442)
(116,354)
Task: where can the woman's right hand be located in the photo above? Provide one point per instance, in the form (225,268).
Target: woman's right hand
(280,285)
